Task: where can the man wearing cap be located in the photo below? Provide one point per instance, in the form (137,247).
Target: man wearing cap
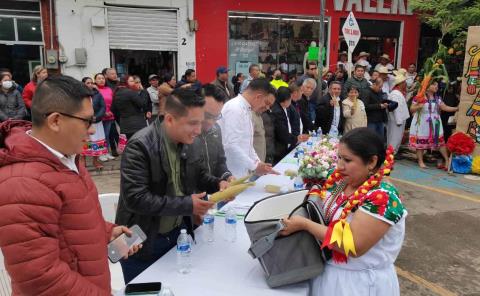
(153,92)
(363,60)
(386,76)
(343,61)
(384,60)
(222,83)
(398,117)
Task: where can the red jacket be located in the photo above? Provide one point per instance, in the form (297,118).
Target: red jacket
(28,93)
(52,233)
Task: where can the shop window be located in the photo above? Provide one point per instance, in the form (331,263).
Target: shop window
(273,41)
(378,37)
(7,29)
(29,30)
(143,63)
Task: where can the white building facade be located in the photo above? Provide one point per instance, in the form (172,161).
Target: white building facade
(139,37)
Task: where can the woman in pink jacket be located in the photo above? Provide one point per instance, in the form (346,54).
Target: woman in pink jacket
(108,118)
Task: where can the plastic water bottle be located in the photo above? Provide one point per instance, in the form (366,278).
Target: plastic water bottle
(166,291)
(299,152)
(319,133)
(231,226)
(310,143)
(209,224)
(298,183)
(333,132)
(184,249)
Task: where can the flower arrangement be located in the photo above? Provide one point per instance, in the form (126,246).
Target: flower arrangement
(316,164)
(460,144)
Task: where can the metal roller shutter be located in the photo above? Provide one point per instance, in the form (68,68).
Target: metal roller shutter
(142,29)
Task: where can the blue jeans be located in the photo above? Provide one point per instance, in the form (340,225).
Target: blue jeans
(161,245)
(379,128)
(107,126)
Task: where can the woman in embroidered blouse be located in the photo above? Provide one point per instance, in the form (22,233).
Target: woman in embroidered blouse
(426,131)
(377,223)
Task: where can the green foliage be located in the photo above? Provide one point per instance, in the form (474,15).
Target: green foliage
(449,16)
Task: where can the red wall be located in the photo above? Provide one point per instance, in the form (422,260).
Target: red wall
(212,36)
(48,28)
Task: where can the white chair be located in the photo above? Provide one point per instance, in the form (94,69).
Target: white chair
(109,203)
(5,284)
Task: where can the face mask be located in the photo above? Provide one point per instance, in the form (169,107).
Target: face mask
(7,84)
(278,77)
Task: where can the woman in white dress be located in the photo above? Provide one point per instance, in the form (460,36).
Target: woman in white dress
(426,131)
(356,196)
(97,145)
(398,117)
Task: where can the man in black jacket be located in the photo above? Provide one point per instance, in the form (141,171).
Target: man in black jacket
(308,105)
(375,108)
(223,84)
(155,192)
(207,149)
(285,140)
(294,109)
(330,111)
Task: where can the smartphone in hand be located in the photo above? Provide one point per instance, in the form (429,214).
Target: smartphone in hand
(119,247)
(143,288)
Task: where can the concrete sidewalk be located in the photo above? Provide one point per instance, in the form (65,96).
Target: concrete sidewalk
(408,171)
(109,167)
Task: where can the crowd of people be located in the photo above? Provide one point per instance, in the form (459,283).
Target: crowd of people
(186,139)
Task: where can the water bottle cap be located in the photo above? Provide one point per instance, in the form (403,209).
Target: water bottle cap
(183,231)
(231,220)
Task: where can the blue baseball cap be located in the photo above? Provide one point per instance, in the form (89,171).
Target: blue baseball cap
(222,69)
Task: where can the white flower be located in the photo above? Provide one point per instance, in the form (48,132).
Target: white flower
(309,166)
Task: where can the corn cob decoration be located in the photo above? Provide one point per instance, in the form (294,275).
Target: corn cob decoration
(240,180)
(272,188)
(291,173)
(230,192)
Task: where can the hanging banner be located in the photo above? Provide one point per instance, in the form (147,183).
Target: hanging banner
(468,120)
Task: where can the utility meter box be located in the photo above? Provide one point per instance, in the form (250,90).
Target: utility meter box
(80,56)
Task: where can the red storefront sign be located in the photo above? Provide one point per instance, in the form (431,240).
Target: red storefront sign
(212,16)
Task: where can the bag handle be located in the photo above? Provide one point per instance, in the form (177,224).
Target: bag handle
(264,244)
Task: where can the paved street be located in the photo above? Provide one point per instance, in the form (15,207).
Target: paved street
(441,252)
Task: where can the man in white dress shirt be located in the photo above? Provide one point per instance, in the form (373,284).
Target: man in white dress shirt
(237,128)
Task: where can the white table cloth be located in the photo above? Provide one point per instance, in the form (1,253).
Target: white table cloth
(222,268)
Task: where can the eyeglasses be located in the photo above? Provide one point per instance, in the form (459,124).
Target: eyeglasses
(210,116)
(88,121)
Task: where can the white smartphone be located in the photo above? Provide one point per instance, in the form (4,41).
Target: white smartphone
(119,247)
